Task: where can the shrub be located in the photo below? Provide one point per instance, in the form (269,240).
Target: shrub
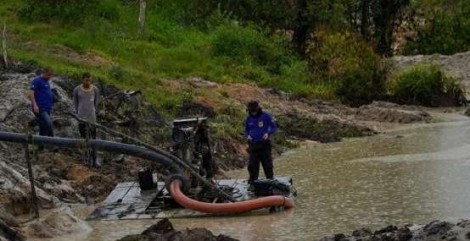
(345,61)
(447,32)
(426,85)
(245,45)
(68,11)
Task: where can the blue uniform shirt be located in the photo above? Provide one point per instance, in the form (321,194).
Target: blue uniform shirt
(42,93)
(257,126)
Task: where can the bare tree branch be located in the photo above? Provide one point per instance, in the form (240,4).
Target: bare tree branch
(5,56)
(142,17)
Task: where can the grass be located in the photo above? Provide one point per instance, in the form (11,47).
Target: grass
(227,53)
(426,84)
(114,52)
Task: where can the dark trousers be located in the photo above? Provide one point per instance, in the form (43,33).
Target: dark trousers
(88,132)
(207,164)
(44,121)
(260,152)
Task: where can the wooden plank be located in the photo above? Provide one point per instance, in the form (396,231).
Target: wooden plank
(135,204)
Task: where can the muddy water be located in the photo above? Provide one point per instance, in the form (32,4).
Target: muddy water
(412,175)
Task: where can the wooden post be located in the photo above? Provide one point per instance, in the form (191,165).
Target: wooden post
(4,43)
(142,17)
(34,198)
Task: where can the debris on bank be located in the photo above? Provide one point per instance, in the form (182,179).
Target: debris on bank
(433,231)
(164,231)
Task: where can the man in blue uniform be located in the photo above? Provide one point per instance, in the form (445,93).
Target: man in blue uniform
(259,126)
(41,101)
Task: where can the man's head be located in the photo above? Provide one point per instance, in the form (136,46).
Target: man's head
(253,107)
(86,77)
(47,74)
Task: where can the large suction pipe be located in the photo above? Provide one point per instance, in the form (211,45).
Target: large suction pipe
(98,144)
(227,208)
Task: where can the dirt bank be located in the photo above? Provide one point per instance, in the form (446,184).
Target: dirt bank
(61,176)
(164,231)
(433,231)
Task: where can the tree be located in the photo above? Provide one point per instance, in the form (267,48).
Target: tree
(378,19)
(302,26)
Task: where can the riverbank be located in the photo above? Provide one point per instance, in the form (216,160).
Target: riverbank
(62,177)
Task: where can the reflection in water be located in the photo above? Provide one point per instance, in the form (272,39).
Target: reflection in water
(407,176)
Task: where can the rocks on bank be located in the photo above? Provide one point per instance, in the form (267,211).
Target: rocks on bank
(434,231)
(164,231)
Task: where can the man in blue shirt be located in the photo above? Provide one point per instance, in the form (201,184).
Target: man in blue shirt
(41,101)
(259,126)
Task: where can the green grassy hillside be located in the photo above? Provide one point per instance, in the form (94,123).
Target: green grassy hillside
(220,42)
(108,45)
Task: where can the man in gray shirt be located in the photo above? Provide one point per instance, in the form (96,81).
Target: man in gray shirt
(85,100)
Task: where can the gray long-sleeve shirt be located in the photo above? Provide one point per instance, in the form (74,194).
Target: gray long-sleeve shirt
(86,102)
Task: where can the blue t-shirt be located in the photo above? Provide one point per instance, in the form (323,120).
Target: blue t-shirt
(42,93)
(257,126)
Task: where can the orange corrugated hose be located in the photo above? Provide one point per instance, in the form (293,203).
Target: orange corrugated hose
(227,208)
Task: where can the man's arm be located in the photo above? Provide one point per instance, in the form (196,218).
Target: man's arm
(75,99)
(97,97)
(272,127)
(33,101)
(247,130)
(31,97)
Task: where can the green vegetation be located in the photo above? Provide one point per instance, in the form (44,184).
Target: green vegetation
(426,85)
(447,30)
(266,43)
(348,63)
(102,37)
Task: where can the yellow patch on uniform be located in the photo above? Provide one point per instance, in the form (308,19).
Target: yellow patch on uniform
(260,124)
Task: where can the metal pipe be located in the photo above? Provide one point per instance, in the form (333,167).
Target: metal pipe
(98,144)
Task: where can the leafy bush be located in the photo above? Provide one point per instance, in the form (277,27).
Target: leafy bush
(426,85)
(345,61)
(447,32)
(245,45)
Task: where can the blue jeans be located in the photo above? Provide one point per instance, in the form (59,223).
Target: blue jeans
(45,123)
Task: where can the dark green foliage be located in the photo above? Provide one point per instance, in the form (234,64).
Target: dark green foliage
(447,32)
(73,12)
(384,14)
(117,73)
(345,61)
(427,85)
(247,45)
(376,20)
(362,87)
(270,13)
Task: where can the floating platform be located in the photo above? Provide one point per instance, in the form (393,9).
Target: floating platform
(127,201)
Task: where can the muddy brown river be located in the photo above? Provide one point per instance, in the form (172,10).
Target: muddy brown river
(414,174)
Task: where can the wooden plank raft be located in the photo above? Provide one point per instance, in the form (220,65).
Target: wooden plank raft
(127,201)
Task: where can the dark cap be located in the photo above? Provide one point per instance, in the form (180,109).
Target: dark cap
(253,106)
